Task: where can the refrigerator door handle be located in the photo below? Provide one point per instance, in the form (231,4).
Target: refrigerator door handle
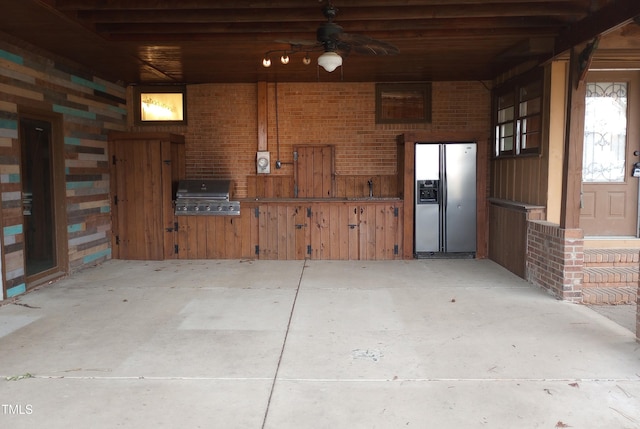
(443,199)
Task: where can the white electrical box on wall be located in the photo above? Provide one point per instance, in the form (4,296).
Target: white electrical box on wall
(263,162)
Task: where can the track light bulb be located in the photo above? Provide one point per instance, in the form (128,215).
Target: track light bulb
(284,59)
(266,62)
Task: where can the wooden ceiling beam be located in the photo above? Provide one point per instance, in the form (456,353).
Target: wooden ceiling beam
(347,14)
(609,17)
(78,5)
(415,36)
(522,25)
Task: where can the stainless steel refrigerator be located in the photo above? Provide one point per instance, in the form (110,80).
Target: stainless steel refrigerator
(445,199)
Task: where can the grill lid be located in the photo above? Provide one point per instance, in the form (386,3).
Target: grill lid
(219,189)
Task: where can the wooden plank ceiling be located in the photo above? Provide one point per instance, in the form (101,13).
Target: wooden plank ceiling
(196,41)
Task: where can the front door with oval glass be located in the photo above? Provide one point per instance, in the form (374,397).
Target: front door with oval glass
(611,139)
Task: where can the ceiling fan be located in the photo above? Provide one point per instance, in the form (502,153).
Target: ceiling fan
(334,42)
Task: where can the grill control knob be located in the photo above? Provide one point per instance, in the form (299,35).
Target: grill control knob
(208,208)
(197,208)
(219,208)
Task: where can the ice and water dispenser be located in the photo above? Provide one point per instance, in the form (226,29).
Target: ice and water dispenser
(427,191)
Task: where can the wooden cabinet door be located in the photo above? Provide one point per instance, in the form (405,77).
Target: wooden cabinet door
(139,200)
(379,234)
(314,172)
(283,231)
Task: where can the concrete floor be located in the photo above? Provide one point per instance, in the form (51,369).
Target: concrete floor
(315,344)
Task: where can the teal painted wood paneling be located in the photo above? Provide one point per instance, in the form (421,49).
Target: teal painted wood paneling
(12,230)
(88,83)
(11,57)
(95,256)
(73,112)
(16,290)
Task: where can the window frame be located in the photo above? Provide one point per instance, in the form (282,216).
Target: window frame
(510,95)
(140,90)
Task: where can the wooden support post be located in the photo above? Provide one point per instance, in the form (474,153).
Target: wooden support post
(263,116)
(573,144)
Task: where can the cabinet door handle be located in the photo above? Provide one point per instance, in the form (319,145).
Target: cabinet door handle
(352,225)
(300,225)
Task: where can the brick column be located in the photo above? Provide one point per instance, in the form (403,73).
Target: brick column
(555,259)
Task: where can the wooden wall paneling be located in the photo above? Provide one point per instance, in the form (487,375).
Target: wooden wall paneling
(325,224)
(299,232)
(270,186)
(231,243)
(328,172)
(118,193)
(386,231)
(337,231)
(572,160)
(284,234)
(367,231)
(210,235)
(353,231)
(192,250)
(183,236)
(113,184)
(137,235)
(397,231)
(355,186)
(303,170)
(315,232)
(400,165)
(317,172)
(252,187)
(166,229)
(263,114)
(508,229)
(154,195)
(408,150)
(264,231)
(248,231)
(145,173)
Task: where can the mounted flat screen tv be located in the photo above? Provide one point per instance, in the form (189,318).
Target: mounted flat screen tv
(160,105)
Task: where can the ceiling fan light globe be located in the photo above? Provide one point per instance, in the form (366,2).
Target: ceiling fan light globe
(329,61)
(266,62)
(306,60)
(284,59)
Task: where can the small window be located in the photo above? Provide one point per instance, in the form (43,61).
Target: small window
(406,103)
(160,105)
(518,117)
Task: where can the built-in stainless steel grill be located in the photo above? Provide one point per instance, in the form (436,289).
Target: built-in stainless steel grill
(205,197)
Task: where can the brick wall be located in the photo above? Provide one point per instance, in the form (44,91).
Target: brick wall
(88,108)
(221,134)
(555,259)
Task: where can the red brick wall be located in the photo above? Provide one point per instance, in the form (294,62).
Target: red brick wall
(555,259)
(221,135)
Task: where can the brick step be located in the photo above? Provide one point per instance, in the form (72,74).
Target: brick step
(609,295)
(610,277)
(611,257)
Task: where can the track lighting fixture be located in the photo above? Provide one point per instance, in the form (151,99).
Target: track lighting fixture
(329,60)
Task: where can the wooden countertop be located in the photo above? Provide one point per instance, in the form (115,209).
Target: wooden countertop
(321,200)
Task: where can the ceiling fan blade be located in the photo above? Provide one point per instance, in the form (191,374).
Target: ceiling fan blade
(364,45)
(298,43)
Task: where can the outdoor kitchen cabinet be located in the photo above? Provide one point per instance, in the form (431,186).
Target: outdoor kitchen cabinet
(330,230)
(145,169)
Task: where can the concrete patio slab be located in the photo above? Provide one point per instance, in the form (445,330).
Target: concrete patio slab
(311,344)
